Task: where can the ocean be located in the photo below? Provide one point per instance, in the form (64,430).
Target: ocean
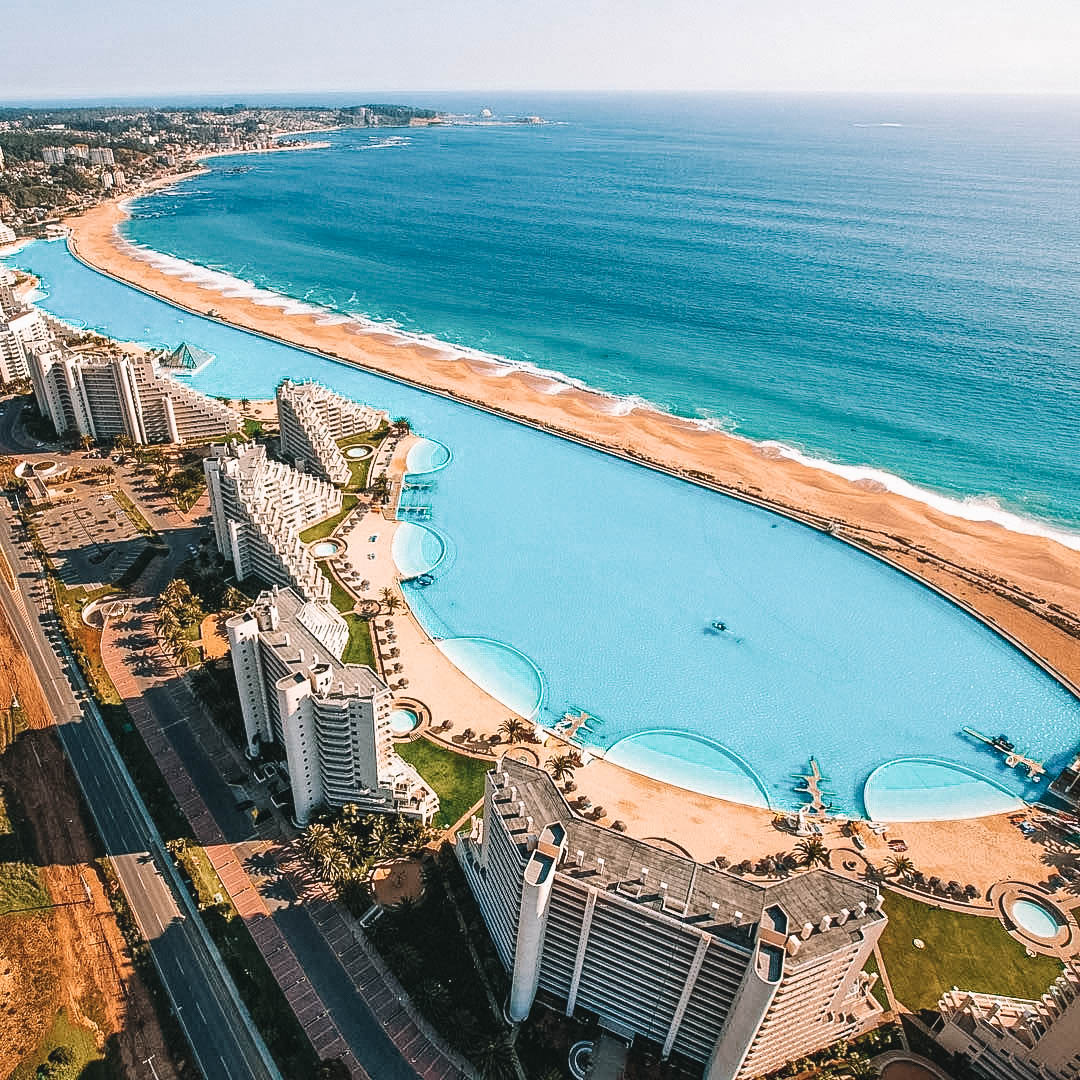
(886,286)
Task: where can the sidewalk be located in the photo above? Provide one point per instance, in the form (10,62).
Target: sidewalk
(305,1003)
(257,897)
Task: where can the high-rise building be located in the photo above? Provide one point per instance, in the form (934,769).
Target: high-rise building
(107,394)
(21,330)
(1005,1038)
(53,155)
(101,155)
(313,419)
(78,152)
(738,976)
(259,509)
(331,718)
(7,233)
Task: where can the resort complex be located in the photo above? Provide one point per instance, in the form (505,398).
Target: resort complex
(1007,1038)
(314,420)
(108,393)
(332,719)
(737,976)
(259,509)
(22,327)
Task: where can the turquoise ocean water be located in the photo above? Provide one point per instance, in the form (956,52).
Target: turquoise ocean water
(563,579)
(878,282)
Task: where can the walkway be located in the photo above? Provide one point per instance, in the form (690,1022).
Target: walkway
(326,968)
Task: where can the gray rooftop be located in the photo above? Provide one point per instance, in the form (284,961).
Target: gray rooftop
(702,895)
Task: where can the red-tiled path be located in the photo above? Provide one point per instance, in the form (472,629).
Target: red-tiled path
(418,1043)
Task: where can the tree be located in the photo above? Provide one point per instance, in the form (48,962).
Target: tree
(86,441)
(514,730)
(561,767)
(900,866)
(400,426)
(390,600)
(812,852)
(245,403)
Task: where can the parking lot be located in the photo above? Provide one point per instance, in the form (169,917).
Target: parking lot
(90,539)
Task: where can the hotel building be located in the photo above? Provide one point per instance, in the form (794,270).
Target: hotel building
(7,233)
(734,975)
(107,394)
(21,330)
(1007,1038)
(331,718)
(313,419)
(259,508)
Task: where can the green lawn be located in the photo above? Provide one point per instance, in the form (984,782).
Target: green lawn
(871,968)
(21,887)
(360,469)
(340,597)
(359,650)
(78,1040)
(972,952)
(458,780)
(324,528)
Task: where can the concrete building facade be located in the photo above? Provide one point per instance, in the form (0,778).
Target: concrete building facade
(313,419)
(737,976)
(106,394)
(1007,1038)
(331,718)
(21,330)
(259,509)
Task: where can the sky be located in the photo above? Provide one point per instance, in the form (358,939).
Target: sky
(65,49)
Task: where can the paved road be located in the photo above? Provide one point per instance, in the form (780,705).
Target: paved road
(224,1042)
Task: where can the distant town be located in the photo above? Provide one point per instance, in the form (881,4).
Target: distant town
(54,162)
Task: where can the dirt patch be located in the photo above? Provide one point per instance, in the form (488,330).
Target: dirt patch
(74,956)
(214,642)
(399,880)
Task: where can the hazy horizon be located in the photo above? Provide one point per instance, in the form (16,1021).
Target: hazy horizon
(69,52)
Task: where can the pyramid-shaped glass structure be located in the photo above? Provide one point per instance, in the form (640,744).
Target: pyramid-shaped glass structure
(186,359)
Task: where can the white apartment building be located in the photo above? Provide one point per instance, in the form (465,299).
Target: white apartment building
(312,420)
(21,330)
(737,976)
(1007,1038)
(106,394)
(53,155)
(101,155)
(259,508)
(7,233)
(331,718)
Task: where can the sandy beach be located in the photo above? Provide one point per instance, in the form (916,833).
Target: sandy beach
(1026,585)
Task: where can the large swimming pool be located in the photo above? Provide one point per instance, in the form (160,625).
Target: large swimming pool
(568,580)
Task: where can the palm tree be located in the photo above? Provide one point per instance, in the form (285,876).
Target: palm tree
(561,767)
(400,425)
(900,866)
(86,441)
(812,852)
(245,403)
(390,599)
(514,730)
(316,839)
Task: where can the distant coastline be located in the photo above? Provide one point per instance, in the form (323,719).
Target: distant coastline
(1025,584)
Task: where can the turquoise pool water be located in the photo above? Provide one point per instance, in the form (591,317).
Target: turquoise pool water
(926,789)
(325,548)
(416,549)
(508,675)
(402,721)
(427,456)
(574,579)
(1035,919)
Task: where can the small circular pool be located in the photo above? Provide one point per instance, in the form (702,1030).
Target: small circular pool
(325,548)
(358,453)
(402,721)
(427,456)
(1036,919)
